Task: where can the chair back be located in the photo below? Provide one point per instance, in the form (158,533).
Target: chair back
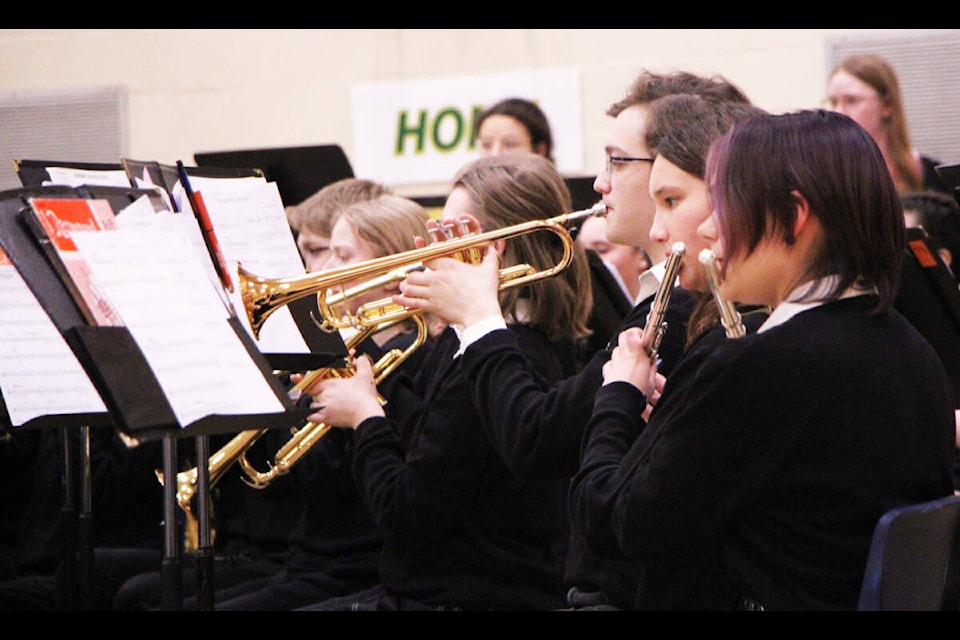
(913,563)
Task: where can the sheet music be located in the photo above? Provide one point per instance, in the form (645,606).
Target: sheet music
(74,177)
(39,374)
(198,360)
(252,227)
(183,248)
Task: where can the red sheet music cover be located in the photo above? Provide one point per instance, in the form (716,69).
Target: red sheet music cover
(52,221)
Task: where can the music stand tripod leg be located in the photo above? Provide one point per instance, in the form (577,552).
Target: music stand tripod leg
(205,543)
(171,575)
(66,580)
(85,568)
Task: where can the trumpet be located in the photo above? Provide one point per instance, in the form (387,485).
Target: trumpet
(236,449)
(262,296)
(656,325)
(729,316)
(304,438)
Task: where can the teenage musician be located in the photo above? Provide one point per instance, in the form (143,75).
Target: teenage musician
(335,546)
(536,427)
(460,530)
(763,489)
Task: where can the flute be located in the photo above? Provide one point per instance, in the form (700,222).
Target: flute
(656,324)
(729,315)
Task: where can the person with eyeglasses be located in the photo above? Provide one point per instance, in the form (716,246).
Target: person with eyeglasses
(865,88)
(535,427)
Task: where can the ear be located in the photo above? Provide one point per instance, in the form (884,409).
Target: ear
(803,217)
(540,149)
(886,112)
(946,256)
(501,245)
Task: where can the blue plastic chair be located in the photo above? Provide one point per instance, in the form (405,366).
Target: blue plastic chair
(914,563)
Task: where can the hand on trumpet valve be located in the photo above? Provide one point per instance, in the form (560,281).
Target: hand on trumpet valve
(454,290)
(346,401)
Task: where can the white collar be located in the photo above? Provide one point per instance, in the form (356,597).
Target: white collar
(818,289)
(650,281)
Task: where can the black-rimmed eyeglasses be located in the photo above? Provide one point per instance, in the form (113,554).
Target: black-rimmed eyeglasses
(612,161)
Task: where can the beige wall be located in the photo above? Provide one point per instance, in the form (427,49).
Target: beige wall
(204,90)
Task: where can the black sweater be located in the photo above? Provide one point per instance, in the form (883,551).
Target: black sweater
(459,529)
(765,467)
(537,428)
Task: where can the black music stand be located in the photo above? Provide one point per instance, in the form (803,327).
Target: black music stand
(298,171)
(135,400)
(34,173)
(76,508)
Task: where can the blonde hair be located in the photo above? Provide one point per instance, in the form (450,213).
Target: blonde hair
(318,212)
(387,222)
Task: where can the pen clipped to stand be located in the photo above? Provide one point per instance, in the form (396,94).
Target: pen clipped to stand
(206,228)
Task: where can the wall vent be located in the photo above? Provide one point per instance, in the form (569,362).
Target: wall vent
(85,125)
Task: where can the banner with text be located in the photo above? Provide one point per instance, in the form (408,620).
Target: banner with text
(422,131)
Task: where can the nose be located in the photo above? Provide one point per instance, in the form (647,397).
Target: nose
(601,183)
(658,232)
(707,229)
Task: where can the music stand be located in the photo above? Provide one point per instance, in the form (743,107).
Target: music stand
(76,511)
(34,173)
(129,389)
(298,171)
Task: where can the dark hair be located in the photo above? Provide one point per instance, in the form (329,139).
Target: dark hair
(527,113)
(511,189)
(682,127)
(939,215)
(755,169)
(649,86)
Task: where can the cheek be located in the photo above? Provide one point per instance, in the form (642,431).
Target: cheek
(692,276)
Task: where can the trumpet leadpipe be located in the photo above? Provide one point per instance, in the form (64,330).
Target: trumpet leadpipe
(729,316)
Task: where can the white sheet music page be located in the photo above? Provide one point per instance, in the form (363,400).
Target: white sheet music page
(39,374)
(252,227)
(183,249)
(74,177)
(200,363)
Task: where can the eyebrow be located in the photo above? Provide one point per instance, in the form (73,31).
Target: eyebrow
(666,189)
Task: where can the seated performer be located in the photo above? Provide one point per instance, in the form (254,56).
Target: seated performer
(460,530)
(761,486)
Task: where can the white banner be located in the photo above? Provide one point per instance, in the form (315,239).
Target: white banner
(422,131)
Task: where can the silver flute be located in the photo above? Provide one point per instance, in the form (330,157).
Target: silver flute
(729,316)
(656,324)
